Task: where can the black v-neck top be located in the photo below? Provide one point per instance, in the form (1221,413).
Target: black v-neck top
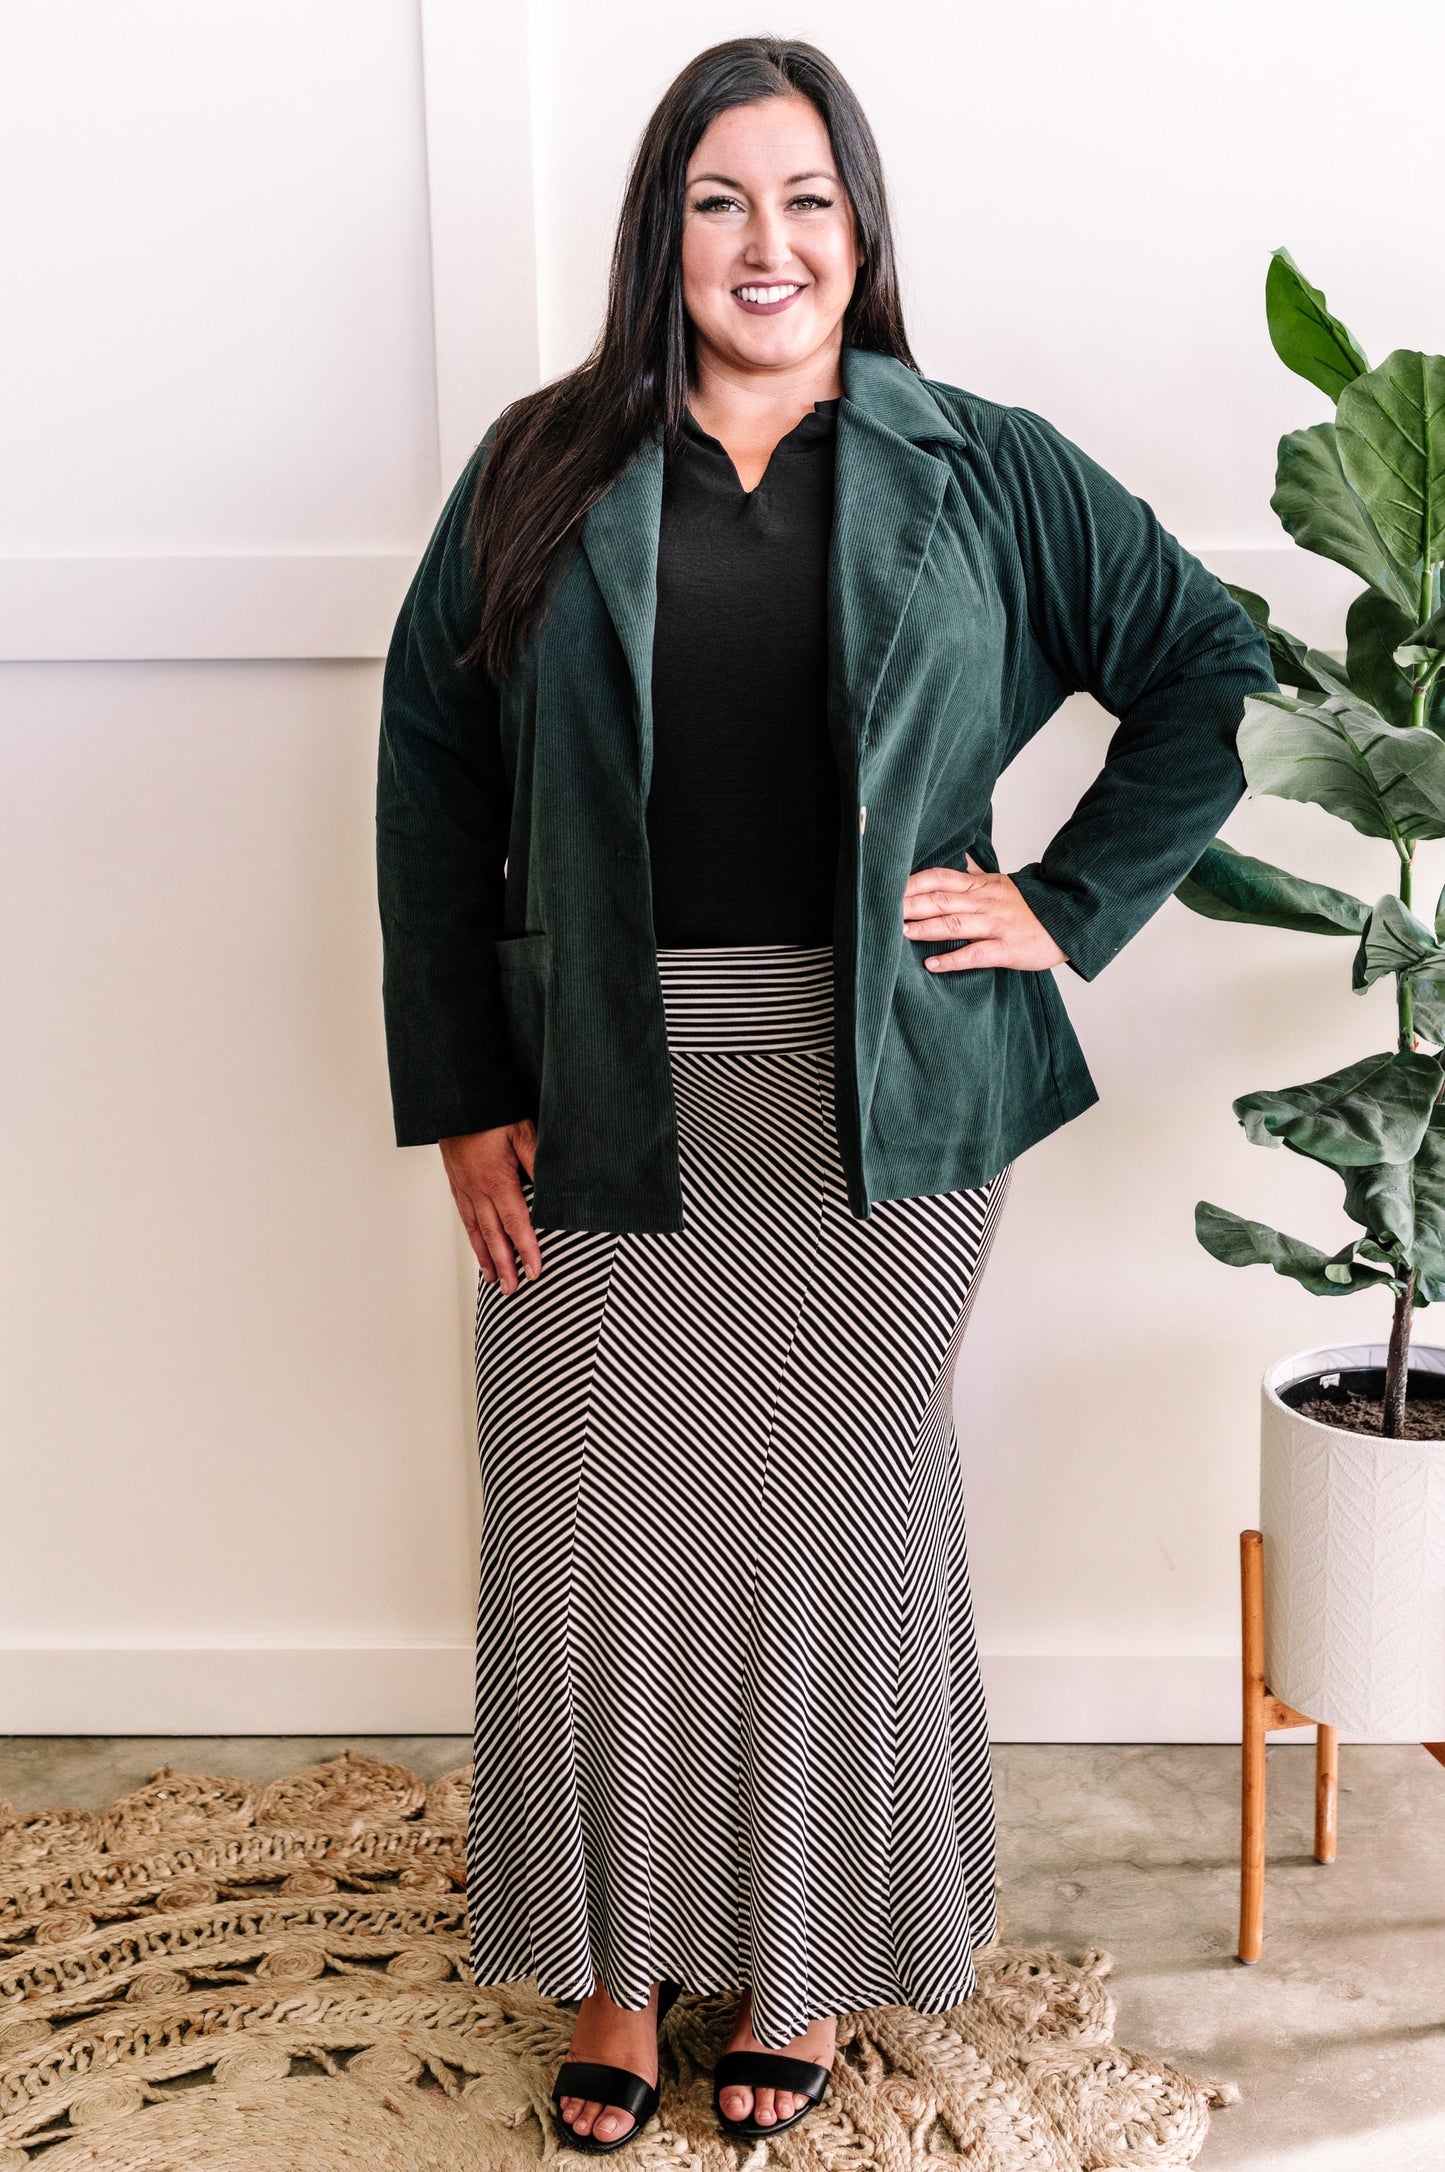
(743,805)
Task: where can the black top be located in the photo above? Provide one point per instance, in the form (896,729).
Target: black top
(743,806)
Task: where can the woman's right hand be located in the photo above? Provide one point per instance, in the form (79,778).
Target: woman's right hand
(482,1169)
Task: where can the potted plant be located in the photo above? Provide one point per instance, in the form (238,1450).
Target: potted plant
(1352,1459)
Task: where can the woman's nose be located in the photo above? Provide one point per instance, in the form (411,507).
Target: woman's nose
(767,242)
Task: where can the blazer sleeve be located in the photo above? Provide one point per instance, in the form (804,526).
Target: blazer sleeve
(1119,609)
(443,806)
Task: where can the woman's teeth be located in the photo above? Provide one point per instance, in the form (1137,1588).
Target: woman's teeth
(767,294)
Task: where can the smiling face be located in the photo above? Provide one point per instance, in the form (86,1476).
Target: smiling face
(769,242)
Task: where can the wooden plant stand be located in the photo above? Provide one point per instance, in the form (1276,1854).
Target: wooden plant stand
(1263,1711)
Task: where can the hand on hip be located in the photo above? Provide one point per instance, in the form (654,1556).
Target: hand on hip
(989,911)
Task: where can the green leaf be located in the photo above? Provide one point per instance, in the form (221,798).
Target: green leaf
(1384,780)
(1381,1197)
(1374,629)
(1241,1243)
(1402,1205)
(1396,942)
(1289,660)
(1440,914)
(1227,885)
(1427,1009)
(1319,509)
(1422,664)
(1393,941)
(1431,635)
(1390,432)
(1307,338)
(1332,677)
(1286,650)
(1373,1110)
(1254,606)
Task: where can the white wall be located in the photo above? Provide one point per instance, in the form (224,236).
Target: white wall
(276,272)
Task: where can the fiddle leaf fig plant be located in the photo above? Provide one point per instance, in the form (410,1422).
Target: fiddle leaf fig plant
(1364,738)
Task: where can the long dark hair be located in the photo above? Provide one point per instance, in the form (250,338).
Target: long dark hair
(556,450)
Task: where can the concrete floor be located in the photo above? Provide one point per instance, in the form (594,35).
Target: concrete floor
(1336,2038)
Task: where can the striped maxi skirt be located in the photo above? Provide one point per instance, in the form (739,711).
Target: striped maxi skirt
(729,1722)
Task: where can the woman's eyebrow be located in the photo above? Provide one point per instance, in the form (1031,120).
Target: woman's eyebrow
(729,183)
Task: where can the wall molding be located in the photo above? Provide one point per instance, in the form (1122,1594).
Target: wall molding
(482,212)
(482,241)
(308,606)
(428,1689)
(242,609)
(482,237)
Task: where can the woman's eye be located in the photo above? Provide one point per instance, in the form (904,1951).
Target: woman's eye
(730,203)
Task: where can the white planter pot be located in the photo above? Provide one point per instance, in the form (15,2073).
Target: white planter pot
(1354,1560)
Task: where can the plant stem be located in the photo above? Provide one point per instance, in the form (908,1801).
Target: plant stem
(1392,1417)
(1404,994)
(1397,1368)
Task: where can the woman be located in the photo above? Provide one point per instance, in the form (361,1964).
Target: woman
(701,970)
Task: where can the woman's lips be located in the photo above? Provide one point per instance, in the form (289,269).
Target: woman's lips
(766,309)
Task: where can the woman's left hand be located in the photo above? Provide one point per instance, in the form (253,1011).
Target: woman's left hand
(990,911)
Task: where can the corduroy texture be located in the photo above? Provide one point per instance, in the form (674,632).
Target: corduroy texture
(982,568)
(213,1977)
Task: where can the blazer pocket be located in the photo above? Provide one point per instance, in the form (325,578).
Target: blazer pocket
(1046,1003)
(523,962)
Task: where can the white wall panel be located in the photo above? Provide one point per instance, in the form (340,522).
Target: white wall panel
(483,236)
(222,274)
(137,608)
(273,270)
(231,1407)
(1085,200)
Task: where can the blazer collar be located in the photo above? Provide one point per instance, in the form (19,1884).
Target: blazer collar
(895,397)
(888,490)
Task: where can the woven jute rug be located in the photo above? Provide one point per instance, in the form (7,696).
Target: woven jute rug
(213,1977)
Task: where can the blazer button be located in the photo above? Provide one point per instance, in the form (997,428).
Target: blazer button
(862,820)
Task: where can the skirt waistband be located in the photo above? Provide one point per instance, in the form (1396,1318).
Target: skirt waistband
(752,995)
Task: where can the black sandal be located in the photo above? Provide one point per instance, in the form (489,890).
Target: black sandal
(766,2070)
(611,2085)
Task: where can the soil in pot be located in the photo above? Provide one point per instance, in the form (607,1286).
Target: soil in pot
(1355,1401)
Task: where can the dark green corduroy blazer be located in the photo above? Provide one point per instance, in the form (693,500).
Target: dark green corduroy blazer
(982,569)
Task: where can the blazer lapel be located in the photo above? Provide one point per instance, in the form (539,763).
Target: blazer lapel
(888,491)
(619,538)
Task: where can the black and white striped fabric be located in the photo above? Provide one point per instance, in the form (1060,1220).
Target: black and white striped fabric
(729,1721)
